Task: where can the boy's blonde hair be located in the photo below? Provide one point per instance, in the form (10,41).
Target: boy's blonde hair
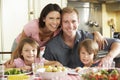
(90,45)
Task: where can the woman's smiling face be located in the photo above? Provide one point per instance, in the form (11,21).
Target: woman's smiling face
(52,20)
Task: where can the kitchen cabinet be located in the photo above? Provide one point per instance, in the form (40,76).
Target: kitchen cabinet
(89,14)
(107,15)
(15,14)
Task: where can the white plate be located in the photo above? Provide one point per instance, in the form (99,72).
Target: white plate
(72,72)
(20,74)
(51,75)
(28,73)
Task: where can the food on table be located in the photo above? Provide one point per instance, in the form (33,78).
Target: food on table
(55,69)
(50,72)
(78,69)
(18,77)
(13,71)
(103,74)
(114,75)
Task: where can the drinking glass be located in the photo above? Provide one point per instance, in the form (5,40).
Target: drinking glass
(113,64)
(42,49)
(108,64)
(1,72)
(36,67)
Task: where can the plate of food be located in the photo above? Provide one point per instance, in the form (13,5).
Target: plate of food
(77,71)
(102,74)
(52,71)
(15,71)
(72,72)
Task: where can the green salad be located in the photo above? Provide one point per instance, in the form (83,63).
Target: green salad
(13,71)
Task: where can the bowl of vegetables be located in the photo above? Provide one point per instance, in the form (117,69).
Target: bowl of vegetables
(102,74)
(15,71)
(12,71)
(51,72)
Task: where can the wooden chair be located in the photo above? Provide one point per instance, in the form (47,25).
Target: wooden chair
(5,52)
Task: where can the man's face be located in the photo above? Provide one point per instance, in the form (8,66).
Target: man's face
(70,24)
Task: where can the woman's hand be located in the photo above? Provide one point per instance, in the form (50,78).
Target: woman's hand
(100,40)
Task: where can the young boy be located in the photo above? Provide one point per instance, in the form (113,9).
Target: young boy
(88,50)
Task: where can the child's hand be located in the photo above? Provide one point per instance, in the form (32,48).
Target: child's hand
(9,63)
(26,68)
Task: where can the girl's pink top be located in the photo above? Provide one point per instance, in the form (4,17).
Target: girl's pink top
(20,63)
(32,30)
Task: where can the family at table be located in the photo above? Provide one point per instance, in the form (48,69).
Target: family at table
(65,45)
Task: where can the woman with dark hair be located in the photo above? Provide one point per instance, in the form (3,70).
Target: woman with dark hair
(47,9)
(44,28)
(41,30)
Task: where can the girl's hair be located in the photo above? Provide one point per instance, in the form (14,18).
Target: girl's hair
(90,45)
(18,50)
(69,9)
(46,10)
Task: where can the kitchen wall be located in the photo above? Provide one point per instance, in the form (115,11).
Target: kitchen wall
(13,17)
(0,24)
(88,12)
(118,20)
(0,28)
(106,16)
(101,12)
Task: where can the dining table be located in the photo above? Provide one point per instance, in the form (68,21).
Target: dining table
(67,77)
(32,77)
(59,73)
(70,75)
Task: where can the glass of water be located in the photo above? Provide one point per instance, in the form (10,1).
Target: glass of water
(109,64)
(113,64)
(36,67)
(1,72)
